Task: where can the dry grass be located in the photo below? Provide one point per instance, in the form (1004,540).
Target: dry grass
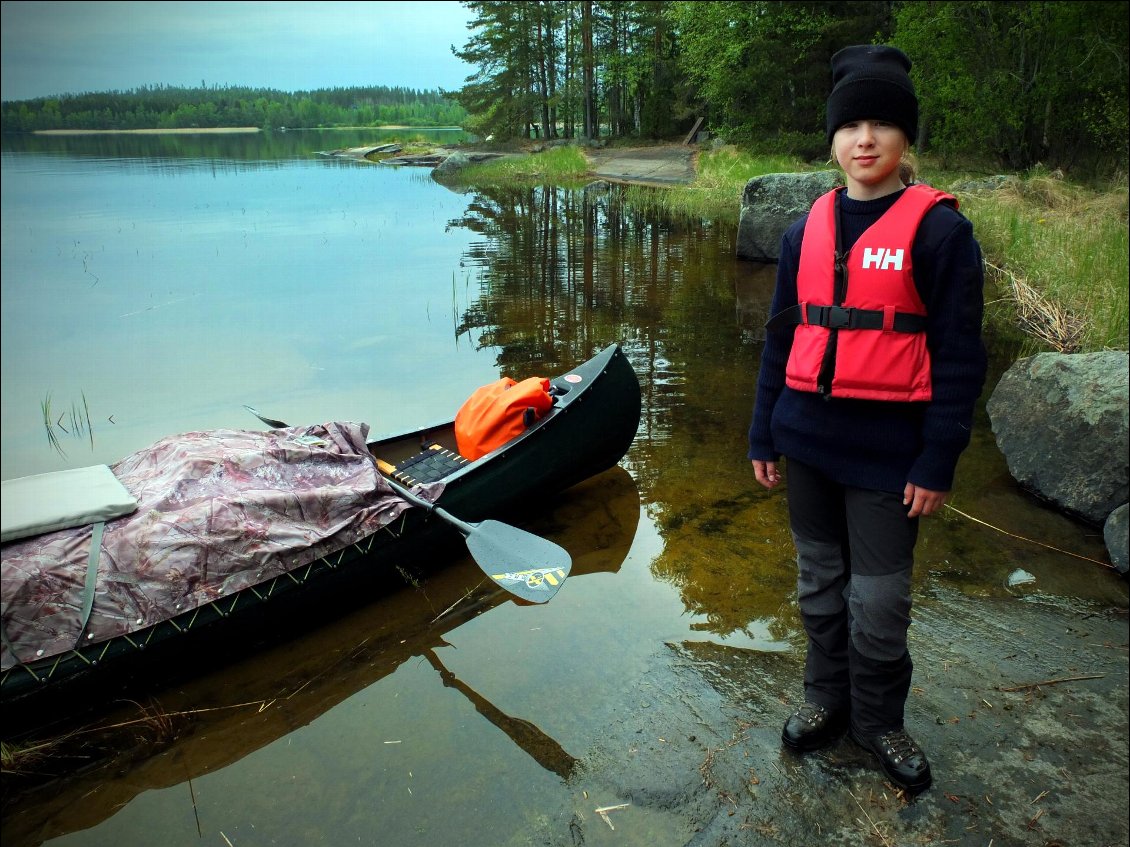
(23,759)
(1052,324)
(1060,254)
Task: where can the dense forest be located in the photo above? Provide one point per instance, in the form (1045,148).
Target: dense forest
(1005,82)
(1015,83)
(166,107)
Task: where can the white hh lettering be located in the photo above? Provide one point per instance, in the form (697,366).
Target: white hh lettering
(882,259)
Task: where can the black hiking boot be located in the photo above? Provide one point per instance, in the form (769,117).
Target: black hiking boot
(811,727)
(901,758)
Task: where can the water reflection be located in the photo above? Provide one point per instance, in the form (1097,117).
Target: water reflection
(313,289)
(560,269)
(200,150)
(223,716)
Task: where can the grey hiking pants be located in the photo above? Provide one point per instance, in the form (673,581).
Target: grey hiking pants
(855,554)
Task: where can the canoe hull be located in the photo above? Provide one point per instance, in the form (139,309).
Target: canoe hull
(589,429)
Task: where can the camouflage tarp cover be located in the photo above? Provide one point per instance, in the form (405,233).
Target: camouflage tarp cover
(217,512)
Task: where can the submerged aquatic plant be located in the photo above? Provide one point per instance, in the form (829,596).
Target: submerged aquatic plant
(80,424)
(163,725)
(17,758)
(52,438)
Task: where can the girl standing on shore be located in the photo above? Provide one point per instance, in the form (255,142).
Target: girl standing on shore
(868,381)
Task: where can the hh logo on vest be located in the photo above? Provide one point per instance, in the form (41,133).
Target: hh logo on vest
(882,259)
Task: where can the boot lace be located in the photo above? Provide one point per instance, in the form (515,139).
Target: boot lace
(811,713)
(899,746)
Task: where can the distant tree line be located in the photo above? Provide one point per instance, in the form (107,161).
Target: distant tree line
(1004,82)
(1016,83)
(170,107)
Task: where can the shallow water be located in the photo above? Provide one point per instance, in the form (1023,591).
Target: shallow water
(157,287)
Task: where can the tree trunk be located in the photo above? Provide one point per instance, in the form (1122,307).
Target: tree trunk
(551,70)
(588,81)
(543,75)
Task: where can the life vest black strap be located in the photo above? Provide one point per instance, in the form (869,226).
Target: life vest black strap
(839,317)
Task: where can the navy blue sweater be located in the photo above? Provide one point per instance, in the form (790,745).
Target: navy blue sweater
(876,444)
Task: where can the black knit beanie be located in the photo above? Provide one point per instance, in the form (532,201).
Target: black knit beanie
(872,82)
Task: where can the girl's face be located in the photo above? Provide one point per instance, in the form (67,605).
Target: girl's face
(869,153)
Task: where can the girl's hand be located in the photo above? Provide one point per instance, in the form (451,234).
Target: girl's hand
(922,501)
(766,473)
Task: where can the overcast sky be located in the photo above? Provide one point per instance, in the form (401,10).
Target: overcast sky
(51,48)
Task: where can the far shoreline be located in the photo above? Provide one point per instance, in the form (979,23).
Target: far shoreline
(183,131)
(226,130)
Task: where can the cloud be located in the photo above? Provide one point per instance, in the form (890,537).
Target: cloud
(71,47)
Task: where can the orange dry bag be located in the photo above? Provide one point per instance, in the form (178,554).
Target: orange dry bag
(498,412)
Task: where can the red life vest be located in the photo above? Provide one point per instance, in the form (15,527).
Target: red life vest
(871,345)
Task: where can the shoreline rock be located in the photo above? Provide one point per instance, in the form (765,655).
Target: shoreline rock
(1062,422)
(770,203)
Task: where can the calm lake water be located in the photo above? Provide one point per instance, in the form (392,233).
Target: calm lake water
(154,285)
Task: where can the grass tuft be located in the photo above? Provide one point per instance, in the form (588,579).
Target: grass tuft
(563,165)
(716,192)
(1060,249)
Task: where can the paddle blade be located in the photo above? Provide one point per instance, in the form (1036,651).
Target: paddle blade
(526,565)
(271,422)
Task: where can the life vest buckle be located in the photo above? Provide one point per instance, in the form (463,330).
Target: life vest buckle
(834,317)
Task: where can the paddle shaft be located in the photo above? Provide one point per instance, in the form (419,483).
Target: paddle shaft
(388,470)
(526,565)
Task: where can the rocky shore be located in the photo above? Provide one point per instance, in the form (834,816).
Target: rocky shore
(1020,704)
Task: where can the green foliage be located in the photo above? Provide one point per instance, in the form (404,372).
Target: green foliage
(500,97)
(165,107)
(1021,83)
(762,68)
(1001,83)
(565,69)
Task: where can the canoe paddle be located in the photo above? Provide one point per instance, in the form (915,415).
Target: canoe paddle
(530,567)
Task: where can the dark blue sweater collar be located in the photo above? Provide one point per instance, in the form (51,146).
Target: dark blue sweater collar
(874,207)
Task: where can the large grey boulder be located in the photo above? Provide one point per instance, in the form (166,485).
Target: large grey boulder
(453,163)
(1062,422)
(773,201)
(1116,534)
